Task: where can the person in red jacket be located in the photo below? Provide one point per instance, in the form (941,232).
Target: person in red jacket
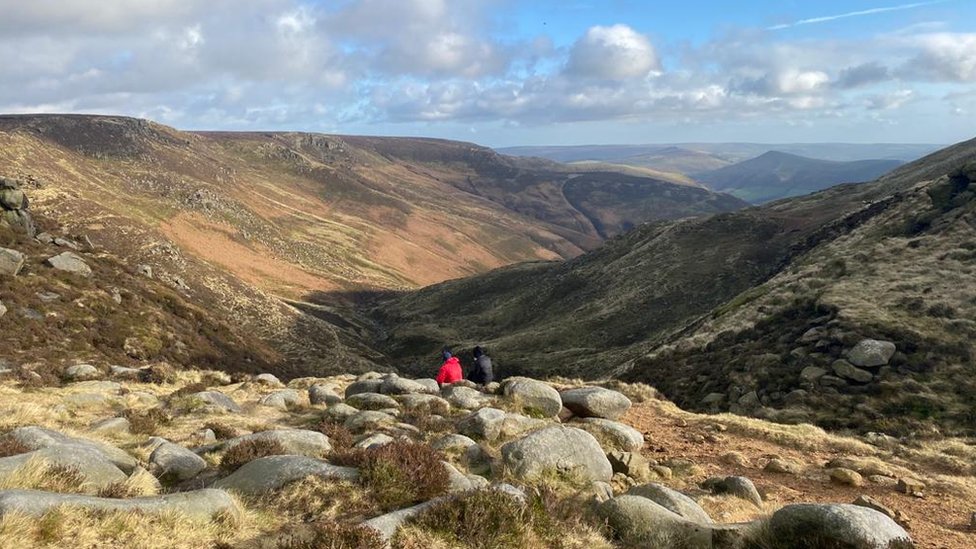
(450,369)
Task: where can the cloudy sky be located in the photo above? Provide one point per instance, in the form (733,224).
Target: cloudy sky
(506,72)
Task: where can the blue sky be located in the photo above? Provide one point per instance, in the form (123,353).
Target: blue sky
(503,72)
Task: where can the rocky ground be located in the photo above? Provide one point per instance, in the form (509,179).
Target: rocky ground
(345,461)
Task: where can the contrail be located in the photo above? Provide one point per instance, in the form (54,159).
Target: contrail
(871,11)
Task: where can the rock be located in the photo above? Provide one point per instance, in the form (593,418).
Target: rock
(844,476)
(198,504)
(12,199)
(517,493)
(48,297)
(323,394)
(294,441)
(67,243)
(3,310)
(465,397)
(911,487)
(268,379)
(662,472)
(812,373)
(740,487)
(175,463)
(69,262)
(601,491)
(639,521)
(559,449)
(596,402)
(37,438)
(458,482)
(81,372)
(749,400)
(271,473)
(837,525)
(737,459)
(11,262)
(282,399)
(145,270)
(535,396)
(217,400)
(431,385)
(369,420)
(863,466)
(114,425)
(833,381)
(93,467)
(795,397)
(777,465)
(673,501)
(202,437)
(453,443)
(372,441)
(431,403)
(484,424)
(616,435)
(631,464)
(340,412)
(712,399)
(371,401)
(871,503)
(387,525)
(121,372)
(396,385)
(845,370)
(871,353)
(364,386)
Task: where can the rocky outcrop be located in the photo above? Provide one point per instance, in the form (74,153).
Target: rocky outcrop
(11,262)
(14,207)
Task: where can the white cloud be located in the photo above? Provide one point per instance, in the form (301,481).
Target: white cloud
(943,56)
(617,52)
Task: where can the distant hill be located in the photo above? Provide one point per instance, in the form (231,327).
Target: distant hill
(776,174)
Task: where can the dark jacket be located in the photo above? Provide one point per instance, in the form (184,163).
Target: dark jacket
(480,372)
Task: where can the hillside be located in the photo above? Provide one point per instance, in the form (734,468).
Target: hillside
(252,225)
(640,305)
(776,175)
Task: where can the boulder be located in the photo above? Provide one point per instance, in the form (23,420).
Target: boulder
(175,463)
(11,262)
(812,373)
(871,353)
(364,386)
(596,402)
(129,374)
(198,504)
(81,372)
(37,438)
(93,467)
(614,434)
(453,443)
(535,396)
(431,385)
(217,400)
(373,441)
(431,403)
(837,525)
(69,262)
(282,399)
(369,420)
(846,370)
(396,385)
(631,464)
(673,501)
(371,401)
(783,466)
(387,525)
(560,449)
(491,424)
(465,397)
(740,487)
(911,487)
(340,412)
(112,425)
(3,311)
(457,481)
(295,441)
(844,476)
(323,394)
(640,521)
(268,379)
(271,473)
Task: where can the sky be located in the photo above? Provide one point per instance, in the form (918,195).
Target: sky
(506,72)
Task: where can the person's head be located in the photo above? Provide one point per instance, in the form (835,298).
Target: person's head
(477,352)
(446,353)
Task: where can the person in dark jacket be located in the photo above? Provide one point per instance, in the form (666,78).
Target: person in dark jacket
(480,372)
(450,371)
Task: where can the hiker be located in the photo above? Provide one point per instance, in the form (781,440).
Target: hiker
(450,369)
(480,372)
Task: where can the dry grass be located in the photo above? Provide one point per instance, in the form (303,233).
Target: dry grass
(38,474)
(138,484)
(725,508)
(398,474)
(332,535)
(316,499)
(248,451)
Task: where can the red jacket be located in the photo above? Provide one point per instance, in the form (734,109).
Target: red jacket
(450,371)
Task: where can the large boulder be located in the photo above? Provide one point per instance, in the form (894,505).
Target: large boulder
(173,462)
(640,521)
(559,449)
(294,441)
(465,397)
(613,434)
(836,525)
(870,353)
(198,504)
(672,500)
(396,385)
(431,403)
(271,473)
(533,395)
(596,402)
(740,487)
(11,261)
(282,399)
(95,470)
(372,401)
(270,380)
(369,420)
(491,424)
(364,386)
(36,438)
(69,262)
(323,394)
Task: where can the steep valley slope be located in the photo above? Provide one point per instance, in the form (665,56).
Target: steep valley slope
(726,312)
(247,226)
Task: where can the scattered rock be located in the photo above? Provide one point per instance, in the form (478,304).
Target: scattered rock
(396,385)
(846,370)
(37,438)
(844,476)
(465,397)
(595,402)
(783,466)
(559,449)
(121,372)
(114,425)
(840,525)
(614,434)
(712,399)
(453,443)
(70,262)
(294,441)
(740,487)
(175,463)
(535,396)
(631,464)
(11,262)
(376,440)
(81,372)
(282,399)
(737,459)
(323,394)
(812,373)
(217,400)
(431,403)
(871,503)
(368,420)
(387,525)
(672,500)
(198,504)
(268,379)
(911,487)
(364,386)
(371,401)
(640,521)
(93,467)
(870,353)
(271,473)
(340,412)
